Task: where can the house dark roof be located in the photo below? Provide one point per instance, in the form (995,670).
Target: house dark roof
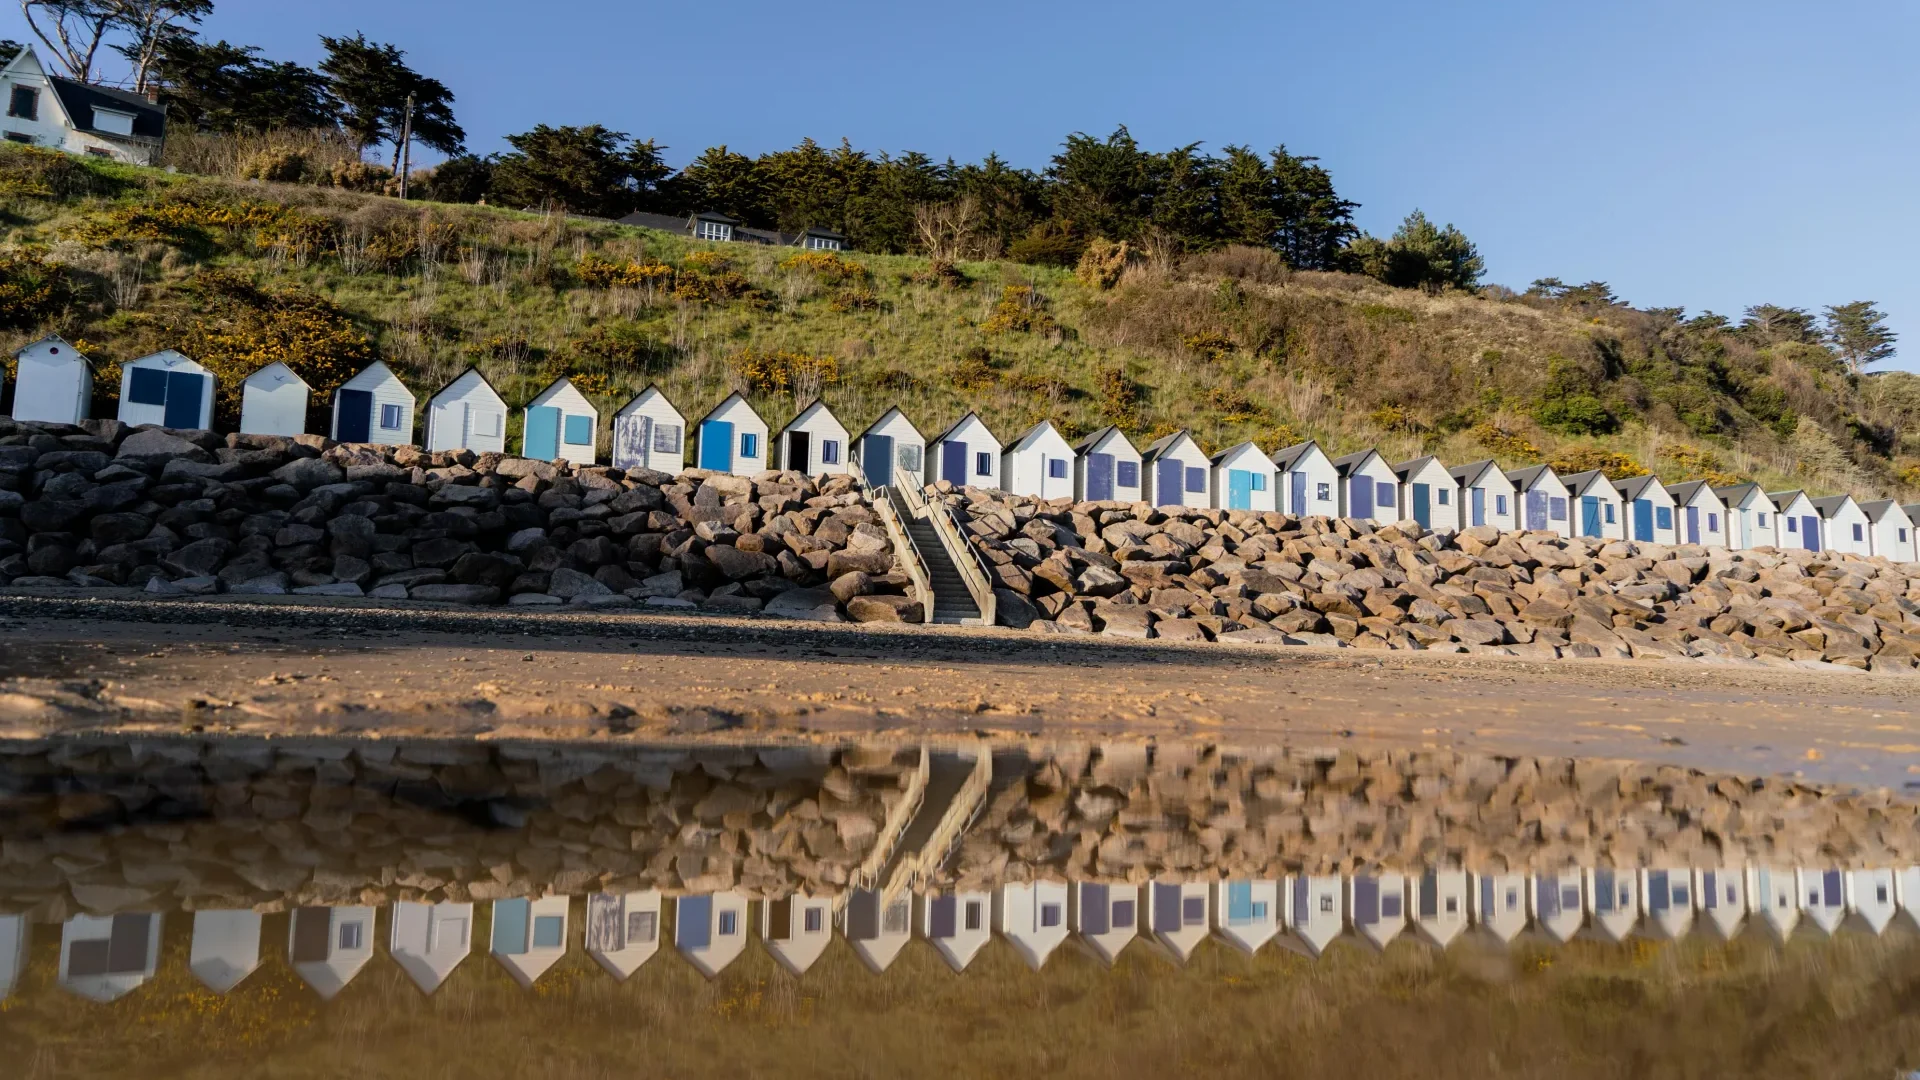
(1163,444)
(1345,465)
(1782,498)
(888,411)
(1635,486)
(1912,510)
(1877,509)
(1735,494)
(1523,477)
(663,222)
(1285,459)
(1471,471)
(1406,469)
(746,234)
(1830,504)
(1088,442)
(1684,493)
(80,99)
(1580,481)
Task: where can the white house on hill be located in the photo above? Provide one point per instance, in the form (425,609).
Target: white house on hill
(1487,496)
(466,414)
(560,424)
(1106,467)
(814,442)
(1309,482)
(1174,471)
(649,433)
(373,407)
(56,113)
(273,401)
(1039,464)
(1543,501)
(54,383)
(166,388)
(1242,479)
(889,445)
(965,455)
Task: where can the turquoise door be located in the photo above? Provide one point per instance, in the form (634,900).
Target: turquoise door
(1643,520)
(1589,515)
(716,445)
(542,438)
(1239,489)
(1423,505)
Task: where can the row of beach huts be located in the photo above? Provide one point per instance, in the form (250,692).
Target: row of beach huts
(172,390)
(103,957)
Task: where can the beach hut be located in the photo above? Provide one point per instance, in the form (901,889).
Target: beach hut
(877,927)
(1178,917)
(1369,490)
(1428,494)
(965,455)
(1500,905)
(956,925)
(1440,902)
(373,407)
(1613,903)
(1309,481)
(1316,913)
(529,936)
(1242,479)
(1106,467)
(429,940)
(1844,525)
(225,947)
(1558,911)
(1542,500)
(1890,529)
(466,414)
(1699,515)
(623,930)
(796,929)
(1669,899)
(1773,898)
(732,438)
(1912,510)
(560,424)
(103,957)
(13,952)
(1487,496)
(329,945)
(273,401)
(1649,508)
(1823,898)
(1723,900)
(1752,518)
(1173,471)
(1105,917)
(54,383)
(1246,914)
(168,389)
(1799,521)
(1598,509)
(1032,917)
(814,442)
(649,433)
(710,930)
(1038,463)
(1906,882)
(890,445)
(1872,899)
(1378,903)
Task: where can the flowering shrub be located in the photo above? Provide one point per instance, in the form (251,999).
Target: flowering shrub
(1214,347)
(1697,464)
(974,371)
(779,371)
(601,273)
(32,290)
(827,264)
(1500,440)
(1577,459)
(1021,308)
(858,298)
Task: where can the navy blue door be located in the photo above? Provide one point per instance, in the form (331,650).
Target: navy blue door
(356,416)
(1099,477)
(1810,533)
(1362,500)
(953,463)
(1169,479)
(1095,910)
(693,922)
(1297,497)
(1693,524)
(1536,509)
(1166,908)
(185,395)
(876,459)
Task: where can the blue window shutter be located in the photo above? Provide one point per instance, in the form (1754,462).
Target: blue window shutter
(1196,480)
(579,430)
(982,463)
(830,451)
(1499,504)
(1445,495)
(1713,522)
(749,444)
(1127,474)
(1057,468)
(147,386)
(1663,517)
(1556,509)
(1856,533)
(1384,494)
(1793,524)
(1259,481)
(1610,513)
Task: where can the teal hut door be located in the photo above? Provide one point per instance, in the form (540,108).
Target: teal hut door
(542,441)
(1239,489)
(1643,520)
(1589,515)
(716,445)
(1423,505)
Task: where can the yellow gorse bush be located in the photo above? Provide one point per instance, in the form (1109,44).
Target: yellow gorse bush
(779,371)
(602,273)
(1578,459)
(828,264)
(1021,308)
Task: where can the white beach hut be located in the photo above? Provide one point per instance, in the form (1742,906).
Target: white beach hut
(1173,471)
(965,455)
(103,957)
(373,407)
(796,930)
(1752,519)
(877,927)
(529,935)
(1844,524)
(1773,898)
(623,930)
(54,383)
(1613,903)
(466,414)
(1369,490)
(1106,467)
(1309,482)
(560,424)
(167,389)
(1823,898)
(1542,500)
(1891,530)
(225,947)
(814,442)
(1700,516)
(1669,898)
(1558,907)
(1872,899)
(329,945)
(1242,478)
(14,939)
(890,445)
(1246,914)
(1178,915)
(273,401)
(649,433)
(1428,494)
(1649,509)
(429,940)
(957,925)
(1105,917)
(1316,913)
(732,439)
(1906,883)
(1039,463)
(1912,510)
(1723,900)
(1378,903)
(1487,496)
(1441,899)
(1799,521)
(1500,905)
(1598,509)
(710,930)
(1032,917)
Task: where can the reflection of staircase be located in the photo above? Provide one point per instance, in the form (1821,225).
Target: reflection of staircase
(952,602)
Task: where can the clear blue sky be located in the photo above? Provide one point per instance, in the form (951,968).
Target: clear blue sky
(1705,154)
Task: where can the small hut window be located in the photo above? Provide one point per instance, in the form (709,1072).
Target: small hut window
(147,386)
(896,919)
(1126,473)
(1445,497)
(351,935)
(815,919)
(1193,911)
(579,431)
(1057,468)
(910,458)
(1453,905)
(749,444)
(1763,521)
(1384,495)
(973,914)
(983,464)
(666,438)
(1609,513)
(829,451)
(1323,493)
(1713,522)
(1259,482)
(641,925)
(1049,914)
(1662,517)
(1499,504)
(390,418)
(24,103)
(1196,480)
(1903,536)
(1793,525)
(1856,534)
(1556,509)
(729,923)
(1326,905)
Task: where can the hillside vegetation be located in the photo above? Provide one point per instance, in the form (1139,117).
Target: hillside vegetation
(1230,344)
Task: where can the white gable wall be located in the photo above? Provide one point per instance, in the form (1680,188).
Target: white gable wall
(959,949)
(387,389)
(649,433)
(1791,531)
(1250,459)
(1847,531)
(467,415)
(1443,503)
(573,406)
(50,125)
(1712,515)
(828,452)
(1032,918)
(1612,523)
(273,401)
(746,422)
(1892,535)
(1116,445)
(1499,506)
(1310,486)
(1191,457)
(1658,498)
(1554,491)
(1040,465)
(909,446)
(167,361)
(1753,522)
(983,454)
(1373,470)
(54,384)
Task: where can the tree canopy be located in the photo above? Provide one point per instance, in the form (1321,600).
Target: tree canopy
(372,82)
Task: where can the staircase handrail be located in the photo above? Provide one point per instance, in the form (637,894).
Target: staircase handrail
(907,552)
(967,560)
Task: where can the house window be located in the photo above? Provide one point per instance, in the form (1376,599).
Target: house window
(1323,493)
(390,418)
(1446,497)
(829,451)
(666,438)
(1763,521)
(1680,895)
(641,925)
(1856,534)
(982,463)
(1259,482)
(814,920)
(897,918)
(1713,522)
(823,243)
(1196,480)
(1127,474)
(1500,504)
(351,935)
(1123,914)
(1609,513)
(715,230)
(1880,894)
(729,923)
(1663,517)
(15,136)
(1057,468)
(1453,905)
(910,458)
(973,915)
(1793,525)
(1049,914)
(1326,905)
(579,431)
(24,103)
(749,444)
(1385,495)
(1556,509)
(1513,899)
(1903,536)
(146,386)
(1193,911)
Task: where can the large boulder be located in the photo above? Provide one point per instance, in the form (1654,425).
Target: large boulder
(158,443)
(885,608)
(817,605)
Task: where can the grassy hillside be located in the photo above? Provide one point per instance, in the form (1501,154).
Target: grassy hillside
(1230,344)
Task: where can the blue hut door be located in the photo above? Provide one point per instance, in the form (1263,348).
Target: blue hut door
(1297,494)
(356,416)
(1423,505)
(1589,515)
(186,392)
(693,915)
(716,445)
(876,459)
(1166,908)
(1643,520)
(1239,489)
(953,463)
(1361,501)
(1479,500)
(510,919)
(1693,524)
(542,442)
(1239,903)
(1169,480)
(1810,533)
(1099,477)
(1096,910)
(1536,509)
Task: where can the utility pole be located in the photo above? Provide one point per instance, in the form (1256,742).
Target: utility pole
(406,148)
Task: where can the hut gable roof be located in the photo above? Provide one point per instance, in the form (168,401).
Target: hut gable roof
(1878,510)
(1472,471)
(1532,474)
(1582,482)
(1166,445)
(892,411)
(1087,443)
(1354,462)
(1634,487)
(1238,450)
(1406,470)
(1830,505)
(728,400)
(1292,455)
(636,400)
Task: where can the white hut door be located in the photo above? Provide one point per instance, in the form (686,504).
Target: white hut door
(631,440)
